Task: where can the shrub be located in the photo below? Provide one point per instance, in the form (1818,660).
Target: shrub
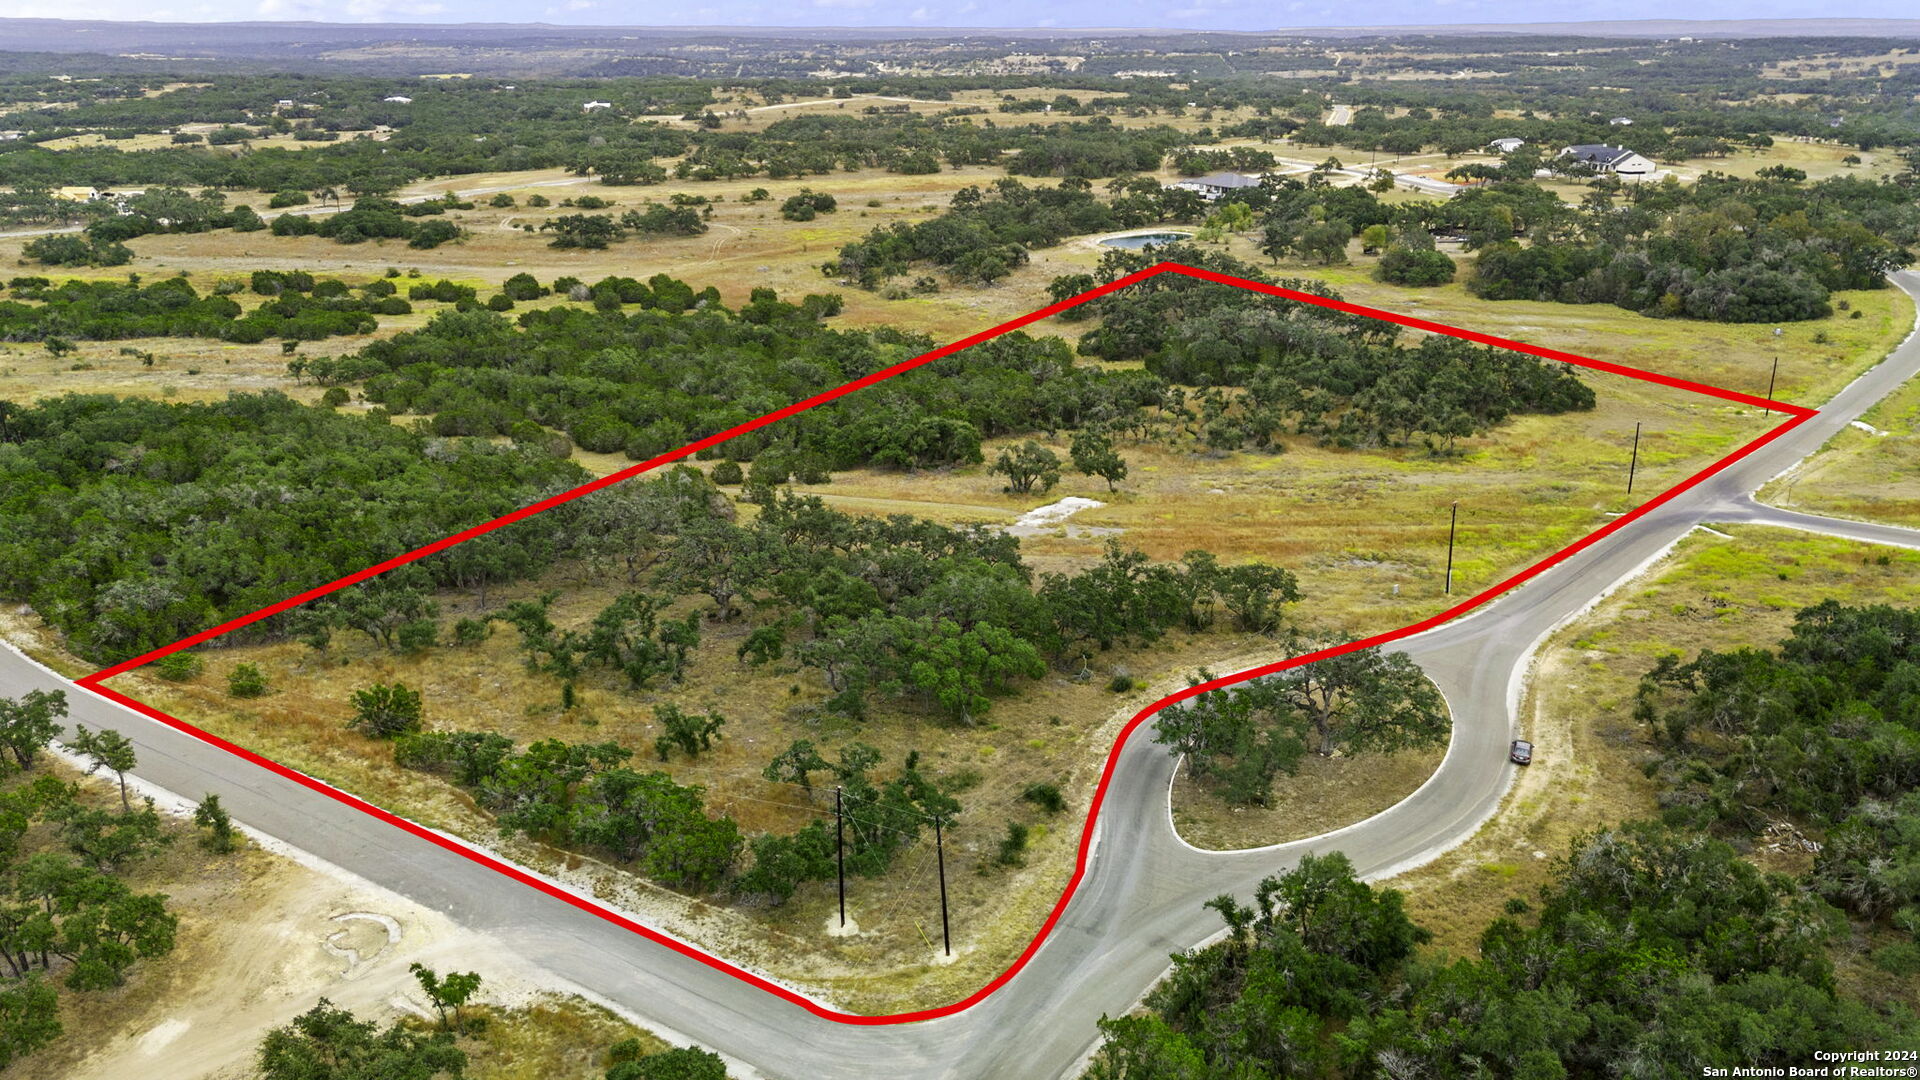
(1411,266)
(1046,796)
(246,681)
(679,1063)
(1013,846)
(431,235)
(178,667)
(417,635)
(386,712)
(728,473)
(335,397)
(1900,958)
(806,205)
(523,286)
(211,816)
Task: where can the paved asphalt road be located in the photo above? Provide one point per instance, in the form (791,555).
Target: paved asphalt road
(1143,894)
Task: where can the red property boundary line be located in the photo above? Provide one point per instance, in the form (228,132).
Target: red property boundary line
(1796,415)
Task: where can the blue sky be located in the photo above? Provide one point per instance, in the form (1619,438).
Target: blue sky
(1190,14)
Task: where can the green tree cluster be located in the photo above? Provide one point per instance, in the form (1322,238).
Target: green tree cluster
(66,918)
(39,310)
(1298,367)
(1824,732)
(1649,945)
(242,502)
(583,795)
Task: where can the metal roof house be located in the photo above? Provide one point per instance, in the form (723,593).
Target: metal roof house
(1506,146)
(1214,185)
(1609,159)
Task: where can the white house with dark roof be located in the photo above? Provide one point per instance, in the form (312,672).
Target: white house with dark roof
(1609,159)
(1214,185)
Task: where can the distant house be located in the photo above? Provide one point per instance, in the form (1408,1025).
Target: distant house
(285,103)
(399,99)
(1620,121)
(1214,185)
(1609,159)
(592,105)
(77,194)
(9,136)
(1506,146)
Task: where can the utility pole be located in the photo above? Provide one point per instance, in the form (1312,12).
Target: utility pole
(840,852)
(1452,523)
(1776,371)
(1634,465)
(940,853)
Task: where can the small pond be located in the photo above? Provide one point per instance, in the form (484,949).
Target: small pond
(1140,240)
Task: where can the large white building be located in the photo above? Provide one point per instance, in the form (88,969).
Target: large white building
(1214,185)
(1609,159)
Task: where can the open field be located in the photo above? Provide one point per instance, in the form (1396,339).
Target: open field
(1740,588)
(1869,473)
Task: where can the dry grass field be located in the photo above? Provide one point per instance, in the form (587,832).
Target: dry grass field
(1869,472)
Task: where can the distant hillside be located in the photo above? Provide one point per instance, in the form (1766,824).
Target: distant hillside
(49,45)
